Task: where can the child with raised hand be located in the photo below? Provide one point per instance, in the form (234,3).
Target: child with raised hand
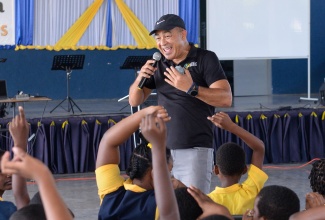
(24,166)
(133,198)
(231,165)
(28,167)
(154,130)
(19,130)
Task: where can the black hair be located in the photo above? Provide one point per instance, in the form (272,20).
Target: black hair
(141,159)
(140,162)
(277,202)
(216,217)
(188,207)
(29,212)
(317,177)
(230,159)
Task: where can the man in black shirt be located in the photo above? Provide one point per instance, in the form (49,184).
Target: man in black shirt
(189,98)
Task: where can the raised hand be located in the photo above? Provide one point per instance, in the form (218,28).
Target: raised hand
(19,129)
(23,165)
(222,120)
(153,129)
(208,206)
(314,199)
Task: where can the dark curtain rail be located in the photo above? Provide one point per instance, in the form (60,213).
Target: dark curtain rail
(70,145)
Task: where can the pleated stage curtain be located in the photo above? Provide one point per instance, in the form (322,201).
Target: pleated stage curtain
(70,145)
(289,137)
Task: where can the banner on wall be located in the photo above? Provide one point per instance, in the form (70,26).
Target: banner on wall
(7,22)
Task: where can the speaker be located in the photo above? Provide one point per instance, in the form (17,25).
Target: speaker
(322,94)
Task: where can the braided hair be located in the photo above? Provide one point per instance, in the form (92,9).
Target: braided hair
(141,160)
(317,177)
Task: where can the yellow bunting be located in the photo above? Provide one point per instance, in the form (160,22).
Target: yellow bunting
(263,117)
(313,114)
(138,30)
(74,34)
(111,121)
(65,124)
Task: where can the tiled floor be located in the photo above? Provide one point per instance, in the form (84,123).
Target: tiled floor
(80,191)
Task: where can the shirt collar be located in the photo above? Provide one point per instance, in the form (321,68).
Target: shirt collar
(128,185)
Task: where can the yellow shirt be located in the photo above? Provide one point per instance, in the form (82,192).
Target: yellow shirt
(240,197)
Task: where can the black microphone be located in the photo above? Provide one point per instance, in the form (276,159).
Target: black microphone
(156,56)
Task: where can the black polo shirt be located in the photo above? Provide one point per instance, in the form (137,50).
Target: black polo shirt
(189,126)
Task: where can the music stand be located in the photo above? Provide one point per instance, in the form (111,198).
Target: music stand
(68,63)
(135,63)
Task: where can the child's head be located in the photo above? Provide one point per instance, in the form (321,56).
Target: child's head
(230,159)
(5,180)
(29,212)
(317,177)
(276,203)
(141,160)
(187,206)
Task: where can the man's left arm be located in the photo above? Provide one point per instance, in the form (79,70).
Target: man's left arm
(218,94)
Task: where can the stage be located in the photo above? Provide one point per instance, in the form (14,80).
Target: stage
(292,130)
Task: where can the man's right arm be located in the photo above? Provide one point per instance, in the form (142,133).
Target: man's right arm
(138,96)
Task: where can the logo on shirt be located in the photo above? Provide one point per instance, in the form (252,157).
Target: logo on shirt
(188,65)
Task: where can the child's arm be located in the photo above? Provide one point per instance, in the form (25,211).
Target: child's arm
(19,130)
(310,214)
(208,206)
(28,167)
(154,130)
(108,151)
(222,120)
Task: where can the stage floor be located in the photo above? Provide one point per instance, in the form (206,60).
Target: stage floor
(102,107)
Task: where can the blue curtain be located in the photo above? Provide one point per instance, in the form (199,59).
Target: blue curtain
(109,25)
(24,22)
(296,136)
(189,10)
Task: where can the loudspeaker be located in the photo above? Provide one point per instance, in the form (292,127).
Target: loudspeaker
(322,94)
